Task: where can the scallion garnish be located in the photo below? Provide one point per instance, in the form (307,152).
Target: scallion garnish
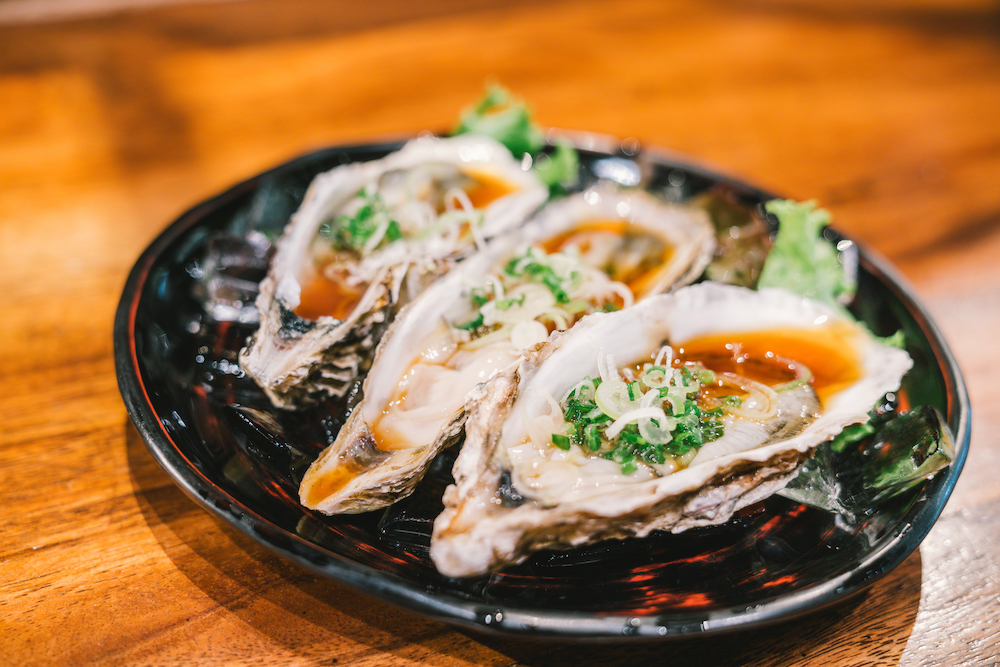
(651,441)
(478,296)
(560,441)
(504,304)
(370,226)
(533,265)
(524,286)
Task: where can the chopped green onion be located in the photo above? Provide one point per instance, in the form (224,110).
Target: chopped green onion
(393,232)
(354,232)
(687,428)
(478,296)
(504,304)
(472,324)
(533,266)
(704,376)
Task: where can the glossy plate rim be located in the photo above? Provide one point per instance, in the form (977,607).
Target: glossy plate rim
(484,617)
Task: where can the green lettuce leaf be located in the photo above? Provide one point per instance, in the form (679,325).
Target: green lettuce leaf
(503,117)
(561,169)
(801,260)
(507,119)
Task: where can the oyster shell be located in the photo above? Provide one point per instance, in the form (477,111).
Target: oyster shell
(512,497)
(333,286)
(415,392)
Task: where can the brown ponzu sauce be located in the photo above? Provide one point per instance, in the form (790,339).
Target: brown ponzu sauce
(769,356)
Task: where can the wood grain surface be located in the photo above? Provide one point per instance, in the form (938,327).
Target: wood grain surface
(887,112)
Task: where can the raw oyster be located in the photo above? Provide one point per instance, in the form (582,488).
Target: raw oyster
(513,496)
(477,320)
(649,245)
(338,273)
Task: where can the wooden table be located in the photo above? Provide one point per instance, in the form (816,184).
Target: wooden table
(111,124)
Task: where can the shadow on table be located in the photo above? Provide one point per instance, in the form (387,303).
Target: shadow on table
(321,619)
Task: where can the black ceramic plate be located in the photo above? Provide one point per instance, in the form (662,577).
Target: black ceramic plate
(177,333)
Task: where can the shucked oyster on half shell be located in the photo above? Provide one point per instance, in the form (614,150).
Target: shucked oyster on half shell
(517,491)
(588,252)
(367,236)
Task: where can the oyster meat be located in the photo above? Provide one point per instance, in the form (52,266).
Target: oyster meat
(478,320)
(635,238)
(368,236)
(714,398)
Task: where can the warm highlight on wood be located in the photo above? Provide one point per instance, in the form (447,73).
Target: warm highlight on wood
(887,113)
